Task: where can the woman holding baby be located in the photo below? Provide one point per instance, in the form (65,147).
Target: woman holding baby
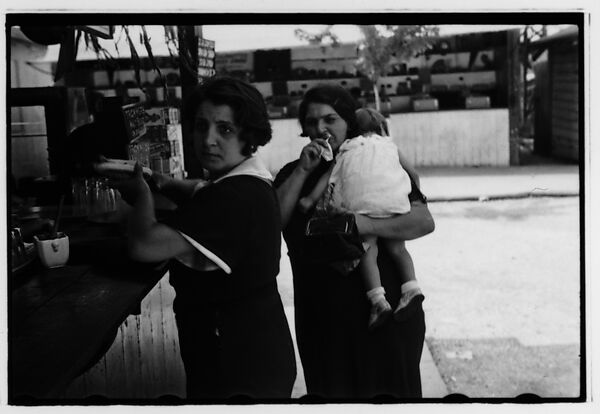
(360,333)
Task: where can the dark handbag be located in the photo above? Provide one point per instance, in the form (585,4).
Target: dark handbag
(330,239)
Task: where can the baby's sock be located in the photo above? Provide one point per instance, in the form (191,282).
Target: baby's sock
(408,286)
(376,294)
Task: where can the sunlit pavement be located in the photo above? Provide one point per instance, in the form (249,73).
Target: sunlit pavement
(502,269)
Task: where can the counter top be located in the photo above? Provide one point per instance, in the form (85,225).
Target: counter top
(62,321)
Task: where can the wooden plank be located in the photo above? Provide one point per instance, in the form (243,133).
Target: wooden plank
(565,66)
(566,151)
(565,124)
(133,373)
(566,134)
(569,89)
(569,105)
(565,142)
(564,107)
(557,75)
(564,58)
(566,89)
(175,376)
(39,290)
(158,335)
(568,93)
(148,345)
(96,379)
(566,77)
(566,113)
(67,334)
(115,367)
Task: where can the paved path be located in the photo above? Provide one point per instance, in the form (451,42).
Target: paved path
(451,184)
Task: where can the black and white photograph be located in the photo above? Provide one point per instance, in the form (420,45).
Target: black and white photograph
(126,286)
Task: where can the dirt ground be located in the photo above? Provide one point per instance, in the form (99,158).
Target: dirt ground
(502,286)
(502,281)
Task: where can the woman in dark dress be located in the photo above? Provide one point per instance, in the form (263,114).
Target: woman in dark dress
(225,241)
(342,359)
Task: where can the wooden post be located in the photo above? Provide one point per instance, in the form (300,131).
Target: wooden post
(515,93)
(188,62)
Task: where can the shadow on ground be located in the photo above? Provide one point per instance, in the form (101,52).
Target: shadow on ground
(504,368)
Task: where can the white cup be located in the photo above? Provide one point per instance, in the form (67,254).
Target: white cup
(53,252)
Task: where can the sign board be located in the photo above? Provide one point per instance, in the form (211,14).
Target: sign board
(228,62)
(206,58)
(135,118)
(206,44)
(206,72)
(206,53)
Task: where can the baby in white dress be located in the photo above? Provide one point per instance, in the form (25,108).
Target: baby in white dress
(368,178)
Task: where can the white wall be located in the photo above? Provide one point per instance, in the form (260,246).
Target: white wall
(464,138)
(285,146)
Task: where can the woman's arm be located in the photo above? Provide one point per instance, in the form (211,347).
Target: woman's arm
(410,226)
(289,191)
(175,190)
(148,240)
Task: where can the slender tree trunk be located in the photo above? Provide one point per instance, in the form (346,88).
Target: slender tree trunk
(377,102)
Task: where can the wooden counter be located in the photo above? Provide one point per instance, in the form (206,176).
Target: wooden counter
(61,321)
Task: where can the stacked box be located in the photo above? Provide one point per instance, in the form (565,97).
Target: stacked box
(140,152)
(161,147)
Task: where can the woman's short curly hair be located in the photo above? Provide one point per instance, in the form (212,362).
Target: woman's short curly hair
(335,96)
(249,108)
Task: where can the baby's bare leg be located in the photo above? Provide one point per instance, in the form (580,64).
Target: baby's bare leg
(401,258)
(307,202)
(380,308)
(411,295)
(368,265)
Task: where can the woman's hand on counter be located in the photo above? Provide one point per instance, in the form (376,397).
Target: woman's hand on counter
(160,181)
(133,188)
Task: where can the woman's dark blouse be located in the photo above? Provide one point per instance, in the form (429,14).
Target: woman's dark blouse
(341,358)
(233,333)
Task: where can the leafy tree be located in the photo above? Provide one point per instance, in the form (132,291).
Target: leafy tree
(379,44)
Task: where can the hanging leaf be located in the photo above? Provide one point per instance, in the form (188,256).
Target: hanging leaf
(77,40)
(66,55)
(146,40)
(101,53)
(170,40)
(135,58)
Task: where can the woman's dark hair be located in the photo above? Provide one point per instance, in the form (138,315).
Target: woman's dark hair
(335,96)
(249,109)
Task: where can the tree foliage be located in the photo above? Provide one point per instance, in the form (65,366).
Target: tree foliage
(379,44)
(318,38)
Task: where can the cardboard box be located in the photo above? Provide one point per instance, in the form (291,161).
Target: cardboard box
(477,102)
(429,104)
